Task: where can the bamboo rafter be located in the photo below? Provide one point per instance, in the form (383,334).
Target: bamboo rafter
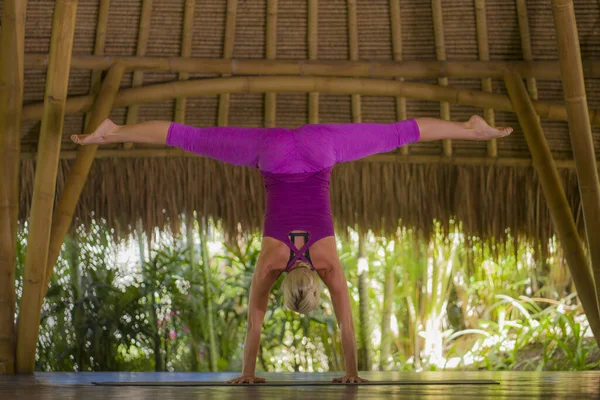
(313,53)
(396,25)
(440,52)
(375,87)
(99,44)
(549,70)
(61,45)
(12,38)
(142,45)
(556,199)
(229,40)
(527,50)
(580,129)
(353,48)
(162,152)
(80,169)
(484,55)
(186,51)
(270,54)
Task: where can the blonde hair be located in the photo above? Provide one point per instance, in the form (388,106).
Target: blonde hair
(301,289)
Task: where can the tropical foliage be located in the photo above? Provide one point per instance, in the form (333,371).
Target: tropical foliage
(178,302)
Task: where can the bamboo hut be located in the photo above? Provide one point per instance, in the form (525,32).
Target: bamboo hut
(288,63)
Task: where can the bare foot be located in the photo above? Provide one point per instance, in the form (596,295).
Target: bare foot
(349,379)
(485,132)
(100,136)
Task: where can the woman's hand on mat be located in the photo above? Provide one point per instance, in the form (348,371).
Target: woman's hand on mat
(103,134)
(349,379)
(246,379)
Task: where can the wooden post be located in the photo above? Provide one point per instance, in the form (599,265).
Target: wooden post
(138,76)
(484,55)
(61,45)
(99,45)
(313,54)
(80,169)
(579,265)
(223,116)
(579,126)
(12,39)
(396,23)
(353,45)
(271,53)
(186,51)
(523,16)
(440,51)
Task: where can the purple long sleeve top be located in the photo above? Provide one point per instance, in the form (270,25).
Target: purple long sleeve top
(296,165)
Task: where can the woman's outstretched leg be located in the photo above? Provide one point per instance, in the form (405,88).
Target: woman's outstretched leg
(474,129)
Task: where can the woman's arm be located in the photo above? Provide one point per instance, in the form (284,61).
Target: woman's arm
(262,282)
(233,145)
(338,289)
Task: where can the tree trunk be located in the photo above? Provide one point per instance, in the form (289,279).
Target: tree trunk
(365,359)
(388,301)
(149,279)
(78,313)
(212,353)
(189,230)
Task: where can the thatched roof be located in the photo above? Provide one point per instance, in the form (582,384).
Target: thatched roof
(124,187)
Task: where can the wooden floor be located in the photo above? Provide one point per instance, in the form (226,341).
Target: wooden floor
(512,385)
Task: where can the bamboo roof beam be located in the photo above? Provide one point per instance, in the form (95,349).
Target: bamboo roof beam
(186,51)
(12,38)
(162,152)
(79,171)
(353,47)
(61,45)
(138,76)
(579,127)
(440,53)
(228,42)
(484,55)
(560,211)
(270,54)
(374,87)
(549,70)
(396,25)
(313,53)
(527,50)
(99,44)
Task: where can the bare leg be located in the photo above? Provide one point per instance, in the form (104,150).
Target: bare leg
(154,132)
(474,129)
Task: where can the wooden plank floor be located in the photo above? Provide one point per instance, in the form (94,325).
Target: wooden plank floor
(512,385)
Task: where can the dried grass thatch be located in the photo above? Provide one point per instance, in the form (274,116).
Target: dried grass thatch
(365,195)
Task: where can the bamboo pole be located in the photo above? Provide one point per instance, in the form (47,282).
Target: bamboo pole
(440,52)
(138,76)
(99,44)
(353,47)
(579,265)
(396,24)
(527,50)
(61,45)
(580,129)
(12,39)
(484,55)
(313,53)
(228,42)
(80,169)
(271,53)
(548,70)
(162,152)
(261,84)
(186,51)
